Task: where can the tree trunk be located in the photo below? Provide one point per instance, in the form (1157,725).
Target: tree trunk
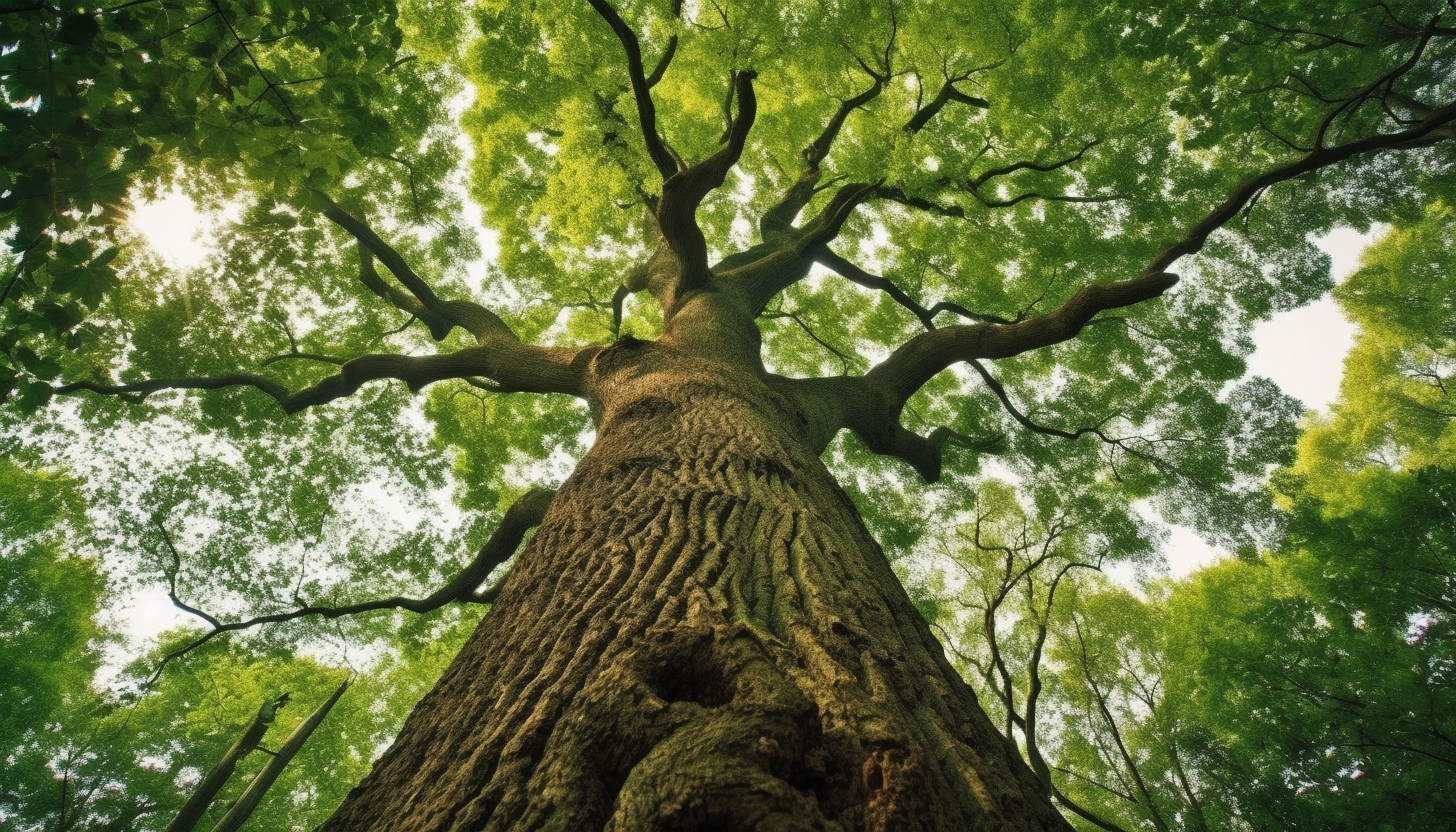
(702,635)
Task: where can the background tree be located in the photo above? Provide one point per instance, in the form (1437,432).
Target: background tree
(780,236)
(1301,688)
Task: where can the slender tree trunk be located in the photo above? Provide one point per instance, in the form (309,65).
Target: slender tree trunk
(206,791)
(248,801)
(702,635)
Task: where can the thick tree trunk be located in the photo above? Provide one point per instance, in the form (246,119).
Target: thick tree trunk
(701,636)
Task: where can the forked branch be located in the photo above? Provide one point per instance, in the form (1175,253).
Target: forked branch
(925,355)
(684,191)
(947,94)
(524,514)
(1433,126)
(422,302)
(661,156)
(922,357)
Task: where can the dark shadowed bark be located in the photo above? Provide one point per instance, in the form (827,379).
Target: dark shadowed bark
(701,635)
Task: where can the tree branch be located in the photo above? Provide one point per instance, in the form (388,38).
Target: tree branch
(844,360)
(440,316)
(1040,167)
(925,355)
(1427,131)
(668,53)
(529,370)
(524,514)
(1364,94)
(684,191)
(855,274)
(666,164)
(947,94)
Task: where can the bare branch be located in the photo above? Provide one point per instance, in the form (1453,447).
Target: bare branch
(524,514)
(172,577)
(1025,421)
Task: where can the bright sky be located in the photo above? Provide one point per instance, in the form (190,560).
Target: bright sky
(174,228)
(1302,351)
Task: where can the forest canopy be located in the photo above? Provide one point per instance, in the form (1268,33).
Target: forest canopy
(996,263)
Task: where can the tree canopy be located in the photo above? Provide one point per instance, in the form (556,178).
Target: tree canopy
(949,231)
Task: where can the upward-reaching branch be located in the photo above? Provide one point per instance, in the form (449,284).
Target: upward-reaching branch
(947,94)
(925,355)
(918,360)
(677,220)
(1433,127)
(641,88)
(780,217)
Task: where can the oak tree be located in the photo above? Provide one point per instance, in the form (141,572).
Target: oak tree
(734,241)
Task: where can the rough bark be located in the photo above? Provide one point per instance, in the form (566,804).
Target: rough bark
(701,635)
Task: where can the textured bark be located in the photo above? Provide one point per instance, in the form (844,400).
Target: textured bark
(701,635)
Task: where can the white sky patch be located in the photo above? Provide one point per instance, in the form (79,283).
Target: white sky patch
(174,228)
(1303,351)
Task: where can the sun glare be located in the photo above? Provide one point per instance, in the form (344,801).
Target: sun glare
(174,228)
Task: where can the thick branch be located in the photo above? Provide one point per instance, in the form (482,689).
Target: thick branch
(825,225)
(682,193)
(248,801)
(818,149)
(524,514)
(780,217)
(641,88)
(947,94)
(397,297)
(922,357)
(202,796)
